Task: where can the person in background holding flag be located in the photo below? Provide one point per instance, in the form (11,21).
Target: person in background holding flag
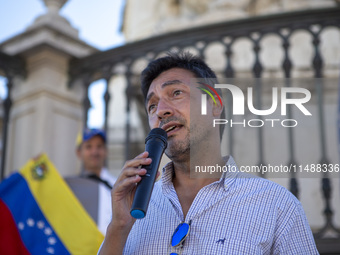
(93,186)
(39,214)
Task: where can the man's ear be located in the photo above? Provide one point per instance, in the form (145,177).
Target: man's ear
(78,153)
(217,108)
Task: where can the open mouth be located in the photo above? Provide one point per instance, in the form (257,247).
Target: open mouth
(172,129)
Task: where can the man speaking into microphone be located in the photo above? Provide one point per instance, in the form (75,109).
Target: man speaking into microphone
(220,215)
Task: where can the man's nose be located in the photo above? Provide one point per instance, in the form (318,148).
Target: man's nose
(95,151)
(164,109)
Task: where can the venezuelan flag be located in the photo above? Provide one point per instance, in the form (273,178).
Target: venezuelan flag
(39,214)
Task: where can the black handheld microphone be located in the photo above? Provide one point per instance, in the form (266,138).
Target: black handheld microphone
(155,144)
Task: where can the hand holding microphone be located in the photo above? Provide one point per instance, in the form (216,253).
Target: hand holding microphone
(125,192)
(155,144)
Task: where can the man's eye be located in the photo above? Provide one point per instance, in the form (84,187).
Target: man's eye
(177,92)
(151,107)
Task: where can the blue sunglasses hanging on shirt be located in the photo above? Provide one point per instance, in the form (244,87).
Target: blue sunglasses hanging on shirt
(179,236)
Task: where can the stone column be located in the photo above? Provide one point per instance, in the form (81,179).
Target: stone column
(46,114)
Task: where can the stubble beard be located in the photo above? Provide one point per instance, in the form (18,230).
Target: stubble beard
(179,151)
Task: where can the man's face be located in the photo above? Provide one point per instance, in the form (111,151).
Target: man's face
(168,107)
(92,153)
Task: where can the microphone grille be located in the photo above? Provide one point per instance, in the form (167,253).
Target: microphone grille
(158,133)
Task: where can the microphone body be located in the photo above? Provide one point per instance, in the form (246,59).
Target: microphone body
(155,144)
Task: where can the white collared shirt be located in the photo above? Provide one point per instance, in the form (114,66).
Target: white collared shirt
(235,215)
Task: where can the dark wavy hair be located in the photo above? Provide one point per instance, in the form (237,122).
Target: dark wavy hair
(184,60)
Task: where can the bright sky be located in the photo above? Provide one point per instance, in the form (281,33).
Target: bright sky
(98,23)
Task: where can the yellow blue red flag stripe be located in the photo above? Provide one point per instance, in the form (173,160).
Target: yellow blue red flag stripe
(43,214)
